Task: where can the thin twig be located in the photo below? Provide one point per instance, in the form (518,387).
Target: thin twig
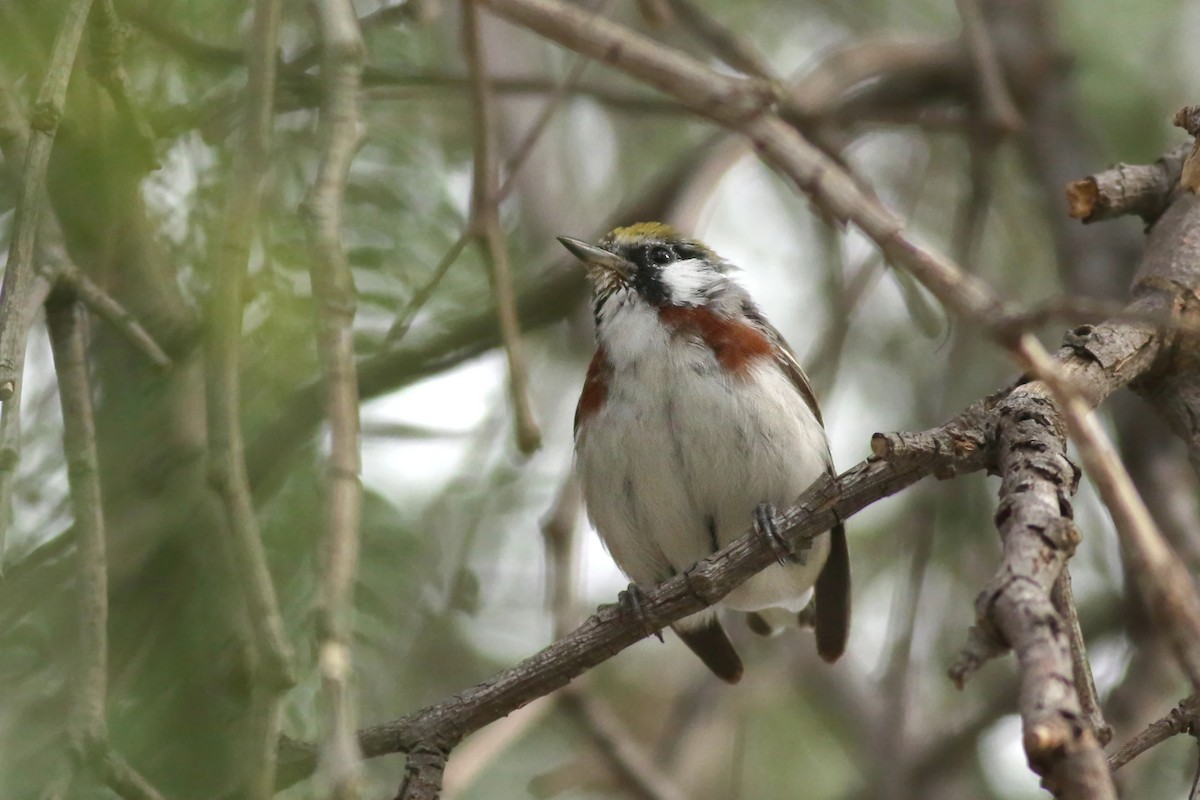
(999,108)
(55,261)
(1085,685)
(70,277)
(88,721)
(421,296)
(107,46)
(637,771)
(485,216)
(227,465)
(384,15)
(512,167)
(1183,718)
(740,104)
(732,49)
(123,779)
(10,457)
(19,273)
(335,301)
(559,540)
(486,746)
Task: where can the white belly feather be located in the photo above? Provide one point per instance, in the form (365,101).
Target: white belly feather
(675,461)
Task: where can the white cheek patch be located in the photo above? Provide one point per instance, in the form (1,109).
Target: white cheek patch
(688,282)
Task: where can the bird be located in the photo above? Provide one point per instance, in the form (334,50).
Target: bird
(695,422)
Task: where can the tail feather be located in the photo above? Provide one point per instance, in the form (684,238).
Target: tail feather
(832,598)
(712,645)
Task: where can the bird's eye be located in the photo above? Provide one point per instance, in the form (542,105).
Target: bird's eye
(660,256)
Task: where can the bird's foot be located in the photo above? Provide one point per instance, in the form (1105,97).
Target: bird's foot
(632,600)
(764,526)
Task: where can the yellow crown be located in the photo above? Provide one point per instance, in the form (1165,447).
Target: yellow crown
(640,232)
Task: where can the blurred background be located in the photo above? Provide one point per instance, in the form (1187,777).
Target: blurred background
(475,555)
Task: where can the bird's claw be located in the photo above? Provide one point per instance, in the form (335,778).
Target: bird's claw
(764,526)
(632,601)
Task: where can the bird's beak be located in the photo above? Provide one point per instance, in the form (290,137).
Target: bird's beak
(599,262)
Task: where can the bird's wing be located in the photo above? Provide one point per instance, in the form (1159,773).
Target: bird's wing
(832,589)
(785,358)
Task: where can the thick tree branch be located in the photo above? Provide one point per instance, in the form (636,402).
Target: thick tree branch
(1037,482)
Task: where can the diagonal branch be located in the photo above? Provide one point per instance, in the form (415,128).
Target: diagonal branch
(616,627)
(1183,718)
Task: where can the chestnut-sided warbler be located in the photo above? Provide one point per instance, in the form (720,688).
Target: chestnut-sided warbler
(694,422)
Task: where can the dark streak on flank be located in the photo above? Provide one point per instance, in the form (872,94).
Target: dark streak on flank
(711,522)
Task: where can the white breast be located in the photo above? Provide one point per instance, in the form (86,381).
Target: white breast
(681,452)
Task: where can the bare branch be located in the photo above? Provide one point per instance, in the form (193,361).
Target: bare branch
(88,725)
(227,465)
(725,98)
(560,544)
(616,627)
(486,746)
(56,264)
(999,109)
(1085,685)
(334,297)
(19,274)
(1183,718)
(107,46)
(10,457)
(126,781)
(1015,609)
(732,49)
(1159,575)
(485,219)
